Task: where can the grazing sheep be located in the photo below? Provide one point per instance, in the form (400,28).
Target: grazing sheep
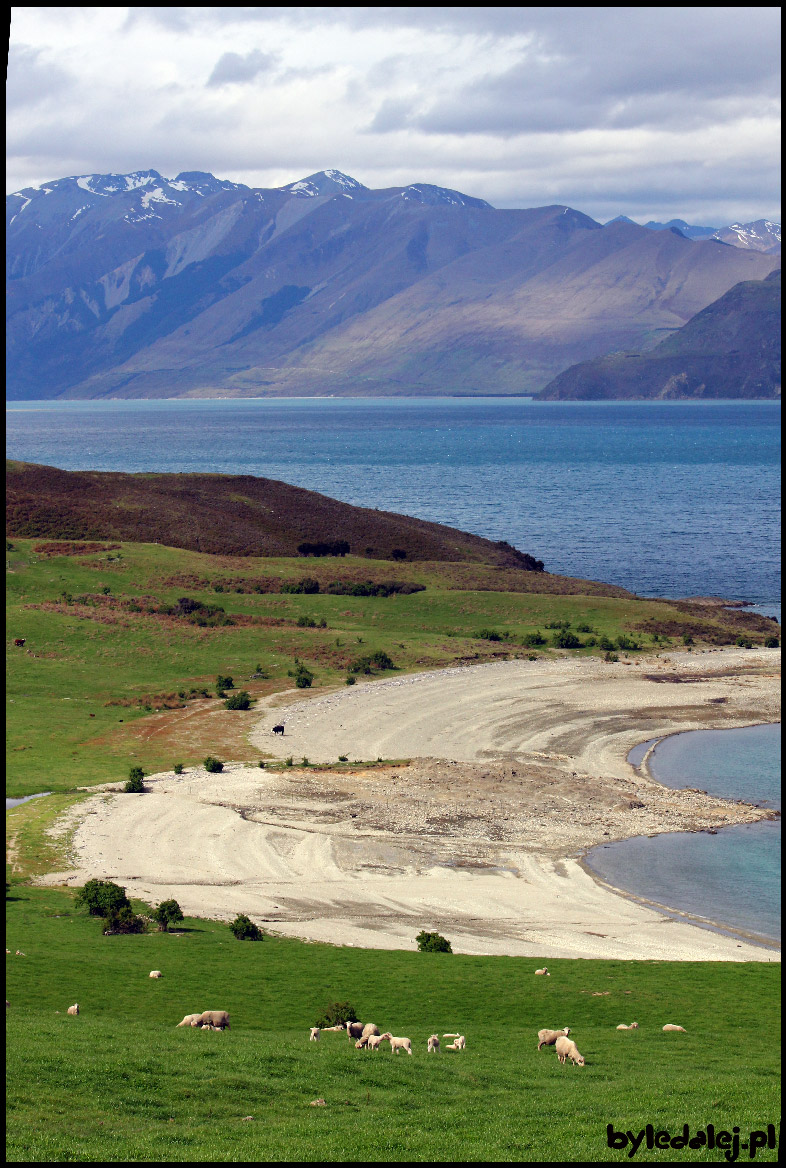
(73,1009)
(218,1018)
(543,972)
(670,1026)
(354,1030)
(361,1043)
(397,1044)
(566,1048)
(433,1044)
(191,1020)
(279,729)
(549,1037)
(313,1034)
(155,973)
(374,1041)
(369,1029)
(633,1026)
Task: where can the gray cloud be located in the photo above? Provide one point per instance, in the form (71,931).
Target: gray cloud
(236,69)
(32,78)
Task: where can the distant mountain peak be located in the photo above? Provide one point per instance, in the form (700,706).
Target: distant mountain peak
(434,196)
(324,182)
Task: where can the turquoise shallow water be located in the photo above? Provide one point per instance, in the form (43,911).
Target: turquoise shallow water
(732,878)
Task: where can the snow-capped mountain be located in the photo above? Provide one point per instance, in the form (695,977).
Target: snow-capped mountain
(762,235)
(140,285)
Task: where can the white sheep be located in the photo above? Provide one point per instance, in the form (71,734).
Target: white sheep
(543,972)
(313,1034)
(633,1026)
(566,1048)
(370,1029)
(155,973)
(433,1044)
(361,1043)
(549,1037)
(397,1044)
(459,1044)
(194,1020)
(73,1009)
(670,1026)
(374,1041)
(451,1034)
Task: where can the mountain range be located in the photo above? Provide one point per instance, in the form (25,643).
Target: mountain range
(140,286)
(761,235)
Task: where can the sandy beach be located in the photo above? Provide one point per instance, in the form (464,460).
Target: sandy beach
(508,773)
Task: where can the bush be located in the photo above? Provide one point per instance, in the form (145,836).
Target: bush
(244,929)
(101,897)
(687,639)
(122,921)
(213,765)
(378,660)
(224,682)
(488,635)
(530,640)
(744,642)
(178,768)
(627,643)
(303,676)
(605,643)
(565,640)
(167,913)
(337,1012)
(239,701)
(433,943)
(336,547)
(611,657)
(306,622)
(351,679)
(135,777)
(771,642)
(307,585)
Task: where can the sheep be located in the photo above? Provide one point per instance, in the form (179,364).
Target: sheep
(73,1009)
(566,1048)
(279,729)
(549,1037)
(218,1018)
(543,972)
(191,1020)
(361,1043)
(633,1026)
(155,973)
(670,1026)
(433,1044)
(451,1034)
(397,1044)
(313,1035)
(354,1030)
(459,1044)
(374,1041)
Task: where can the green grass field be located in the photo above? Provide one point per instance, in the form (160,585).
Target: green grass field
(122,1083)
(82,689)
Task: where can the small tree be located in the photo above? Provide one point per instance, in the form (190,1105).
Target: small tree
(771,643)
(433,943)
(303,676)
(101,897)
(123,920)
(244,929)
(241,700)
(135,777)
(224,682)
(337,1013)
(178,768)
(213,765)
(167,913)
(565,640)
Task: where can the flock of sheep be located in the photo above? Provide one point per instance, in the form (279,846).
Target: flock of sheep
(368,1037)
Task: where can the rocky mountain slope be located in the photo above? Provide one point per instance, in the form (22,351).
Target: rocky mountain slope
(140,286)
(731,349)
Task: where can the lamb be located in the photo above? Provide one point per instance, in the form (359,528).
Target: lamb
(313,1035)
(670,1026)
(549,1037)
(191,1020)
(374,1041)
(397,1044)
(73,1009)
(433,1044)
(633,1026)
(459,1044)
(543,972)
(216,1018)
(155,973)
(566,1048)
(361,1043)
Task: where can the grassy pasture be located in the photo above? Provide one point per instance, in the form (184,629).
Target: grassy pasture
(122,1083)
(88,693)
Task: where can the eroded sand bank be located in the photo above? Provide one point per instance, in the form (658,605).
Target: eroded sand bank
(516,768)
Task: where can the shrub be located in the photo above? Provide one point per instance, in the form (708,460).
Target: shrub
(605,643)
(239,701)
(123,920)
(289,761)
(378,660)
(744,642)
(135,777)
(336,547)
(399,554)
(213,765)
(303,676)
(433,943)
(224,682)
(611,657)
(178,768)
(101,897)
(530,640)
(687,639)
(167,913)
(244,929)
(351,679)
(488,635)
(306,622)
(627,643)
(337,1012)
(307,585)
(342,758)
(771,642)
(565,640)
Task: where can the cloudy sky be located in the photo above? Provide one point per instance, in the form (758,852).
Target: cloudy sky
(650,112)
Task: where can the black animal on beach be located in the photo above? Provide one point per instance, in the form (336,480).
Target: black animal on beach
(279,729)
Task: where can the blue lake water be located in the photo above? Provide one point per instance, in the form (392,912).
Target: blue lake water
(733,877)
(663,498)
